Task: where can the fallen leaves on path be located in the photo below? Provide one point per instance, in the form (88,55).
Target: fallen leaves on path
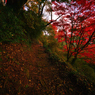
(28,71)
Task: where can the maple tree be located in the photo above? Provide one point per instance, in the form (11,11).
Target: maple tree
(76,27)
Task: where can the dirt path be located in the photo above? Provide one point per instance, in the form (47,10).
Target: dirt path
(28,71)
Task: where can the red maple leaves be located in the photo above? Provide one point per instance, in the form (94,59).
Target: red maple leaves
(76,27)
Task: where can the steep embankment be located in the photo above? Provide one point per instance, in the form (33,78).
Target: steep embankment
(28,71)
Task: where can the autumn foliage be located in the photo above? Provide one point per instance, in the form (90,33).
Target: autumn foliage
(76,27)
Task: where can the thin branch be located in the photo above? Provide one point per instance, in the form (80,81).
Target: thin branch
(39,8)
(42,8)
(87,41)
(53,21)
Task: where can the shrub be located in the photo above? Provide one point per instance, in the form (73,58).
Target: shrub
(10,26)
(33,24)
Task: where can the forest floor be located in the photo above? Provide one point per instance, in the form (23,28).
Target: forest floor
(29,71)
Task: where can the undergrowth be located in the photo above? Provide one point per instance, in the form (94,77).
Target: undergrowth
(10,26)
(24,26)
(85,69)
(80,68)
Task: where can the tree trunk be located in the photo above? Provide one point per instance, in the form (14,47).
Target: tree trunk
(74,59)
(16,4)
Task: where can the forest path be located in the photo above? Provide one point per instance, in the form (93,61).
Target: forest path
(28,71)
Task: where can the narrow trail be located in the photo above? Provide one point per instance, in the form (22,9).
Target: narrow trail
(43,74)
(28,71)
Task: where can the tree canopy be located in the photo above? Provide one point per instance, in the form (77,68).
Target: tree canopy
(76,27)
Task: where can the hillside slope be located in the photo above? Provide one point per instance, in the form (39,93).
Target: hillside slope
(28,71)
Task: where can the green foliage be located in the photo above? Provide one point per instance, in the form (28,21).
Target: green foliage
(17,28)
(0,58)
(86,70)
(51,45)
(48,40)
(26,86)
(10,26)
(33,24)
(92,66)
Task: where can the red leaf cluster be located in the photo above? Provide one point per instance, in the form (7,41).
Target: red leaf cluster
(76,27)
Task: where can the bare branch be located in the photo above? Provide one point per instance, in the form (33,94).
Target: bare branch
(53,21)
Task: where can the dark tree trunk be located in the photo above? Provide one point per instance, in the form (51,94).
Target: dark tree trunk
(16,4)
(74,59)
